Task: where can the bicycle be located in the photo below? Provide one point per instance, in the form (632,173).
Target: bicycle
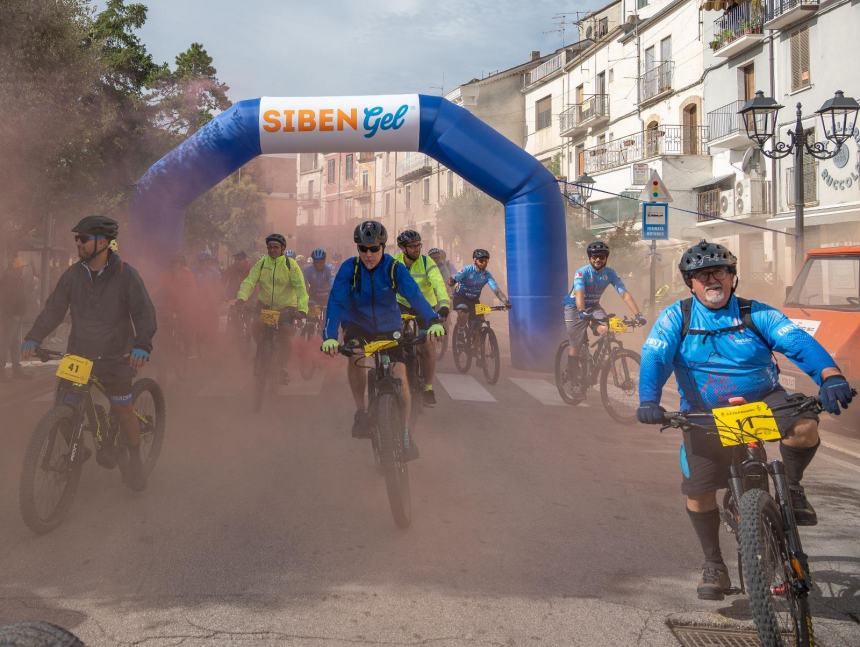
(268,350)
(308,348)
(604,359)
(56,450)
(414,366)
(240,325)
(442,342)
(773,569)
(475,339)
(385,410)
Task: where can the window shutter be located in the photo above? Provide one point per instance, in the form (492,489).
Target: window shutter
(800,76)
(804,57)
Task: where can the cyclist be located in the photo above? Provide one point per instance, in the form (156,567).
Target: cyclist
(470,281)
(363,302)
(445,266)
(113,322)
(282,287)
(428,277)
(176,297)
(290,253)
(234,274)
(319,277)
(719,346)
(583,302)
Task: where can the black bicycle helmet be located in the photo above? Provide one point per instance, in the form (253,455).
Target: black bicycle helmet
(597,247)
(407,237)
(278,238)
(370,232)
(434,250)
(97,225)
(703,255)
(480,253)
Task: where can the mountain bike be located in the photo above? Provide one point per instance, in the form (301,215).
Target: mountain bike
(605,362)
(266,364)
(442,342)
(307,351)
(388,429)
(476,340)
(240,325)
(774,570)
(414,366)
(56,451)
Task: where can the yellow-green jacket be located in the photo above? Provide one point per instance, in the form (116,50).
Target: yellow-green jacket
(282,284)
(429,278)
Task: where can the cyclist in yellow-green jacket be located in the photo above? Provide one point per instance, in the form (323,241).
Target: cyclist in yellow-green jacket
(429,279)
(281,287)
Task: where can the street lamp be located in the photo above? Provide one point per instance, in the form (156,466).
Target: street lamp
(583,186)
(838,117)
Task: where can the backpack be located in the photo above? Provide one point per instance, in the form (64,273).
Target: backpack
(356,275)
(745,307)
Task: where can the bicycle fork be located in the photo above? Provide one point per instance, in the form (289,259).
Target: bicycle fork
(798,560)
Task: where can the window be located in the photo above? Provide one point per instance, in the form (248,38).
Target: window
(407,195)
(308,162)
(347,209)
(311,189)
(611,74)
(543,113)
(425,194)
(365,181)
(348,170)
(330,172)
(388,204)
(641,3)
(800,77)
(450,183)
(387,163)
(748,73)
(602,27)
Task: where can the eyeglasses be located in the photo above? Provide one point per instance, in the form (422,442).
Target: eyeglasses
(703,275)
(414,246)
(83,239)
(364,249)
(600,256)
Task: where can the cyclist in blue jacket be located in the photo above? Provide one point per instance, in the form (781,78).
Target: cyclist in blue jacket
(470,281)
(319,277)
(719,346)
(363,301)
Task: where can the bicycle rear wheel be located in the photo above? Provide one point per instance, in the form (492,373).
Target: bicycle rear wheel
(149,407)
(491,361)
(619,385)
(460,347)
(49,479)
(566,389)
(780,606)
(389,427)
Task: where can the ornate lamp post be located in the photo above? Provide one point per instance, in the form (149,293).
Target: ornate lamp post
(838,117)
(583,186)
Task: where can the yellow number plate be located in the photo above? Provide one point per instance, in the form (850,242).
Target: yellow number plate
(376,346)
(270,317)
(754,418)
(406,316)
(616,324)
(482,309)
(75,369)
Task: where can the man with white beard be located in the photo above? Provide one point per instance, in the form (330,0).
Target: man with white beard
(721,346)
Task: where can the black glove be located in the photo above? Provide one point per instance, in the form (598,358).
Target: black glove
(639,319)
(650,413)
(835,390)
(443,312)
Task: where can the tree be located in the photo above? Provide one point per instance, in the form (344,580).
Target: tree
(231,213)
(471,219)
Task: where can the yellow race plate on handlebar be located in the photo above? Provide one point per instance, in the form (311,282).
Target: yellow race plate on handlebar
(376,346)
(270,317)
(75,369)
(405,316)
(482,309)
(616,324)
(745,423)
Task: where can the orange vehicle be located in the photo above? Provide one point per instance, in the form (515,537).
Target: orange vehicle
(825,301)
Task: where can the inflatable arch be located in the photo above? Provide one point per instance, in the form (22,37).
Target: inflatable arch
(535,234)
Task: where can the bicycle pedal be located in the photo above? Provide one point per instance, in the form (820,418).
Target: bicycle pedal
(732,590)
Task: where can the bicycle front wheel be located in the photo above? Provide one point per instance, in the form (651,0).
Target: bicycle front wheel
(490,359)
(460,348)
(389,427)
(49,478)
(619,385)
(780,606)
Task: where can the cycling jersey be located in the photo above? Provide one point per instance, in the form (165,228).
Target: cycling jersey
(470,281)
(711,368)
(428,277)
(319,282)
(281,282)
(593,283)
(368,298)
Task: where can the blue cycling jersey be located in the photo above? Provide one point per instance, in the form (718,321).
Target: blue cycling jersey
(471,281)
(319,282)
(593,283)
(710,369)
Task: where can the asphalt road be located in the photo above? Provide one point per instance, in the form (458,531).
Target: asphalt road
(535,523)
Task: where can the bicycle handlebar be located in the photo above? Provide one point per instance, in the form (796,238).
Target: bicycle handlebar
(46,354)
(358,351)
(797,403)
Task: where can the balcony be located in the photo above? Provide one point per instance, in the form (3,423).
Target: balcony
(727,130)
(311,199)
(810,184)
(656,82)
(593,111)
(545,69)
(779,14)
(412,166)
(362,193)
(737,30)
(664,140)
(364,158)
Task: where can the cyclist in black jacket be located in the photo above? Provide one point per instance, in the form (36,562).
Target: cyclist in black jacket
(113,322)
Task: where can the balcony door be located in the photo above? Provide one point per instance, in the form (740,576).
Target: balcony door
(600,95)
(665,65)
(650,86)
(691,130)
(749,81)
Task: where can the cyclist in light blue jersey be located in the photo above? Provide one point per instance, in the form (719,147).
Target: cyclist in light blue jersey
(583,303)
(319,278)
(470,281)
(720,346)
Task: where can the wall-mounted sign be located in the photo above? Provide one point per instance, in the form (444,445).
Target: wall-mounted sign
(641,172)
(845,171)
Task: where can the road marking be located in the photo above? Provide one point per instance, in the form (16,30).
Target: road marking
(831,459)
(464,387)
(541,390)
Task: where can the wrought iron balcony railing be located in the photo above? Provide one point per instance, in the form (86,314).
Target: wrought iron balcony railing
(664,140)
(656,81)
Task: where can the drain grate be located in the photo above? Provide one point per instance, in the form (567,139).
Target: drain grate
(692,636)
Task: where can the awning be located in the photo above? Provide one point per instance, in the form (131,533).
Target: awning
(725,181)
(717,5)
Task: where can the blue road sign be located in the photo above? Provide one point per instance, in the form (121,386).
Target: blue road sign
(655,220)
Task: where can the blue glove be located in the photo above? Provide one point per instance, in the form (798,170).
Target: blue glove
(650,413)
(28,348)
(584,314)
(639,319)
(835,390)
(139,354)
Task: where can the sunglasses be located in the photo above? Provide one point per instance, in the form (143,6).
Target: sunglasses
(702,275)
(83,239)
(603,256)
(364,249)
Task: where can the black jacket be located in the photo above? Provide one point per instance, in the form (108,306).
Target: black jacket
(111,311)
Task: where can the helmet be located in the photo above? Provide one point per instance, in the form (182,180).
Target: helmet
(318,254)
(407,237)
(705,254)
(278,238)
(434,250)
(480,253)
(597,247)
(370,232)
(97,225)
(290,253)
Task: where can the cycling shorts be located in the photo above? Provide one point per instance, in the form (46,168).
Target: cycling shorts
(116,376)
(705,463)
(577,328)
(466,301)
(355,335)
